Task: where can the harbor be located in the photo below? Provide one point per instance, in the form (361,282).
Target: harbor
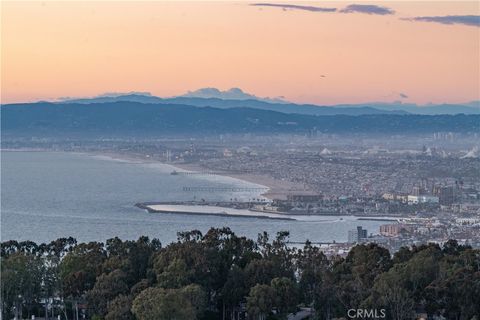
(212,208)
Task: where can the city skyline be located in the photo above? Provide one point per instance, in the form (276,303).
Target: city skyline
(306,52)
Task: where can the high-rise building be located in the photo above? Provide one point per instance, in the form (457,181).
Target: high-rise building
(419,190)
(393,230)
(356,235)
(446,195)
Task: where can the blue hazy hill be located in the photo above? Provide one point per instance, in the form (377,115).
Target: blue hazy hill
(134,118)
(236,98)
(309,109)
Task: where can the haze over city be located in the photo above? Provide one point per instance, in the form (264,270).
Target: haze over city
(240,160)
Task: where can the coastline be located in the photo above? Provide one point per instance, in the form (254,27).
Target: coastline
(277,189)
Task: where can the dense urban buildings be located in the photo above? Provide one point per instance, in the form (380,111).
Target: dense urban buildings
(425,187)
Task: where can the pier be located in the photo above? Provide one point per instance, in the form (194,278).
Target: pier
(224,189)
(314,243)
(191,173)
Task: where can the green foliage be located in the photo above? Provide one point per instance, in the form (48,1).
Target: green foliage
(314,272)
(391,294)
(132,257)
(286,295)
(164,304)
(175,275)
(260,271)
(21,280)
(354,277)
(281,295)
(260,301)
(215,275)
(120,308)
(235,288)
(80,267)
(107,287)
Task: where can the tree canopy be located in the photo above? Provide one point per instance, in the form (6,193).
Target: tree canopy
(219,275)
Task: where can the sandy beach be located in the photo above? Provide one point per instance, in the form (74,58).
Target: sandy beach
(277,189)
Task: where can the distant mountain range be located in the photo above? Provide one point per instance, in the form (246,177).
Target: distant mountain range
(472,107)
(127,118)
(211,111)
(284,107)
(235,98)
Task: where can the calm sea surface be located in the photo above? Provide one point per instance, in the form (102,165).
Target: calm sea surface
(47,195)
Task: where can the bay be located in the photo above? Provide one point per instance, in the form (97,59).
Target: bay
(47,195)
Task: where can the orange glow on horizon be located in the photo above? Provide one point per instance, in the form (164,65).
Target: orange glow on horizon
(77,49)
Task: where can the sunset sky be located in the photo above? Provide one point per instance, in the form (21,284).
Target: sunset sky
(303,51)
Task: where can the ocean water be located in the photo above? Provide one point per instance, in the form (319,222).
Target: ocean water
(47,195)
